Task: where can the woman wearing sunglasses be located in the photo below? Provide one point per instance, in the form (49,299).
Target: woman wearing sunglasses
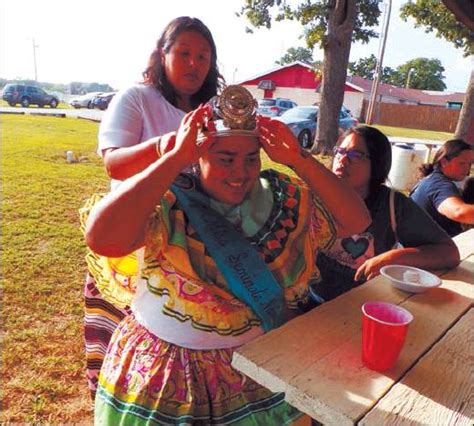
(363,160)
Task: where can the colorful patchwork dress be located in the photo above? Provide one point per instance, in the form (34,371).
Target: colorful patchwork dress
(169,362)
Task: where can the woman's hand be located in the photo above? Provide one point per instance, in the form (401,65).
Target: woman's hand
(371,267)
(166,142)
(279,142)
(186,147)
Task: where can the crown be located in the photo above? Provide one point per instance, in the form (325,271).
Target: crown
(233,113)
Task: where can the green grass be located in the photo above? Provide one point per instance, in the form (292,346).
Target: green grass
(415,133)
(43,266)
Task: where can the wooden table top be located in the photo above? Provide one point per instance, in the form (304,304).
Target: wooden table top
(315,358)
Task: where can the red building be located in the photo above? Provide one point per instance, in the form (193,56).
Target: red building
(299,82)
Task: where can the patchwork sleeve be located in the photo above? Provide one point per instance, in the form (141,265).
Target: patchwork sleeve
(322,225)
(115,277)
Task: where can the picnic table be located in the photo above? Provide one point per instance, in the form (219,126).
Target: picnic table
(316,358)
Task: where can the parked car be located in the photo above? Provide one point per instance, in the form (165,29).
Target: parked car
(27,95)
(346,119)
(102,101)
(273,107)
(84,101)
(302,120)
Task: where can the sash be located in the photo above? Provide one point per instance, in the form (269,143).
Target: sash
(247,275)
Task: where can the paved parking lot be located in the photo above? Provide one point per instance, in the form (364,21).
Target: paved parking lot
(91,114)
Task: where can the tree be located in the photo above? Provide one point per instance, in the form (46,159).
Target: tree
(365,68)
(296,54)
(447,19)
(333,24)
(434,16)
(463,11)
(420,73)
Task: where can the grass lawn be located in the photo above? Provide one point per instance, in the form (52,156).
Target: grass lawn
(43,266)
(415,133)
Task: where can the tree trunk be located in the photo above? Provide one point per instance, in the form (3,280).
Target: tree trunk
(465,126)
(337,48)
(463,11)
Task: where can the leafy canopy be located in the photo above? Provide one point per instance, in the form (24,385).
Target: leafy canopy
(435,17)
(313,16)
(419,73)
(293,54)
(365,67)
(425,74)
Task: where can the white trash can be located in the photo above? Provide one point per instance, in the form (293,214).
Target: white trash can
(405,162)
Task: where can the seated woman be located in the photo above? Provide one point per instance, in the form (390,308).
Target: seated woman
(228,253)
(438,194)
(363,160)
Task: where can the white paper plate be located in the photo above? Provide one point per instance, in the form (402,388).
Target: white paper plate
(408,278)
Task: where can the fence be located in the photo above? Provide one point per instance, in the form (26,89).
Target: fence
(422,117)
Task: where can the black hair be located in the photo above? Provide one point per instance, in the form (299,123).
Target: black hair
(450,149)
(155,75)
(380,153)
(467,192)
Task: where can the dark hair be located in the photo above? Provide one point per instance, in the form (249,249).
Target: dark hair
(155,75)
(380,153)
(450,149)
(467,192)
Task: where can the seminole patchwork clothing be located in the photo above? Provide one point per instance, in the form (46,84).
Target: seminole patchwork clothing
(100,321)
(170,362)
(430,192)
(339,264)
(151,381)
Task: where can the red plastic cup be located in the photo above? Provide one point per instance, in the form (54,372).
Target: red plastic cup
(384,327)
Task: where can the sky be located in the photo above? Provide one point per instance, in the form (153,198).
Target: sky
(109,41)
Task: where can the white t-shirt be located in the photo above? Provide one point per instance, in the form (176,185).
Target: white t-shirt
(135,115)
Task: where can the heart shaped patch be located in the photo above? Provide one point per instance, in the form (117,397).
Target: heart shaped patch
(355,248)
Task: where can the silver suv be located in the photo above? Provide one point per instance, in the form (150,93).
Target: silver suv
(273,107)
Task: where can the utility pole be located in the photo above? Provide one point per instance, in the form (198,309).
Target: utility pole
(34,58)
(410,72)
(379,67)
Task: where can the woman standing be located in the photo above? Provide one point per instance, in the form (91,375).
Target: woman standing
(363,160)
(438,194)
(182,73)
(228,254)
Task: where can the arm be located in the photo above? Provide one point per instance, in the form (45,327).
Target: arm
(117,225)
(127,132)
(456,209)
(122,163)
(431,256)
(426,245)
(282,147)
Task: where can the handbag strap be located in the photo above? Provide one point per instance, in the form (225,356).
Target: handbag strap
(393,221)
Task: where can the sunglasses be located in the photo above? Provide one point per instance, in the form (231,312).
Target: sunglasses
(351,154)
